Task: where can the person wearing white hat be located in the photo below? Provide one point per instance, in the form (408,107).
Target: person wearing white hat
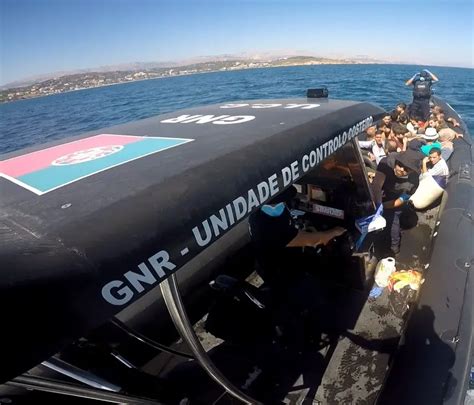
(431,137)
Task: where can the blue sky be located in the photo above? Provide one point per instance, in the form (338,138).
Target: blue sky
(43,36)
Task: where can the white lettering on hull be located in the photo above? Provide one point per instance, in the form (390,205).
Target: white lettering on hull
(209,119)
(117,292)
(159,266)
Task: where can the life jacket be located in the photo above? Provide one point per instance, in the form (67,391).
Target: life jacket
(422,88)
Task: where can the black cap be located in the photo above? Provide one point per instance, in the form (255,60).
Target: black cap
(410,159)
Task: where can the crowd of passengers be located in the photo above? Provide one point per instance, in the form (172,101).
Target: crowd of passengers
(406,152)
(400,151)
(397,132)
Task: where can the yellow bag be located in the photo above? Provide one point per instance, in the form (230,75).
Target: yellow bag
(401,279)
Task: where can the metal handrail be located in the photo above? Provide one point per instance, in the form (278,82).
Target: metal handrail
(80,375)
(74,390)
(146,340)
(174,303)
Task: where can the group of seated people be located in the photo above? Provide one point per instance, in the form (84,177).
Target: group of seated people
(407,158)
(401,152)
(397,132)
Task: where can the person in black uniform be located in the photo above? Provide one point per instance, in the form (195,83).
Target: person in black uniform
(422,82)
(273,232)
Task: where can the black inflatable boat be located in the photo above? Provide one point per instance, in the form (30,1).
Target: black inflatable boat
(99,231)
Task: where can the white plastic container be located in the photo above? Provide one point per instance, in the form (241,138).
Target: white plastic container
(384,269)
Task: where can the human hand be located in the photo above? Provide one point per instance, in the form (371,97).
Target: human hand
(371,156)
(426,159)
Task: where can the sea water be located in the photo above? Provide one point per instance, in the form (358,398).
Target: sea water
(29,122)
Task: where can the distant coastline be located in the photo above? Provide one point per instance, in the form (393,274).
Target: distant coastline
(81,81)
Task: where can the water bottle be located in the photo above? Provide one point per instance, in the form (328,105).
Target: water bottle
(384,269)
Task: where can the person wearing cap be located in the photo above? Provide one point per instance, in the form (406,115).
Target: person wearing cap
(431,137)
(422,82)
(395,180)
(272,230)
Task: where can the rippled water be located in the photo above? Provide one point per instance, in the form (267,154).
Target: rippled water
(29,122)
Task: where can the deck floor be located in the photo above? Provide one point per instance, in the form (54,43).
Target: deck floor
(339,354)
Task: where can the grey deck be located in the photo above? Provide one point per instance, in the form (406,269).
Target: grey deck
(359,364)
(349,360)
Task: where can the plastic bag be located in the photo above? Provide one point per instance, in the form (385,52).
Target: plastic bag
(401,279)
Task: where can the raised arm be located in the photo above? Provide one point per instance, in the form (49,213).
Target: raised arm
(453,121)
(424,167)
(433,77)
(410,81)
(405,143)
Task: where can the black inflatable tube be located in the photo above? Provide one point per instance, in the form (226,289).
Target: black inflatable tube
(433,362)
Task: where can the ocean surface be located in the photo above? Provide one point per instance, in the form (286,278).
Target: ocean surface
(26,123)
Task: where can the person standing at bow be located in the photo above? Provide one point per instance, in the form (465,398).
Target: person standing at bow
(422,82)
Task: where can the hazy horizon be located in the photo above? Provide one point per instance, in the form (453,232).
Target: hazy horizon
(49,36)
(48,75)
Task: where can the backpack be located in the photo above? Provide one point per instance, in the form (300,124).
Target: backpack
(422,88)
